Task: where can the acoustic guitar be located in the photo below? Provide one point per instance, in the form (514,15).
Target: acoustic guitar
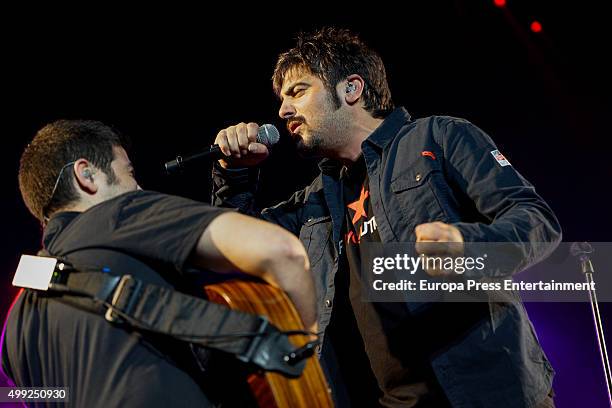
(270,389)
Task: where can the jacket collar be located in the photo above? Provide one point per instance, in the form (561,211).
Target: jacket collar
(330,167)
(58,222)
(389,128)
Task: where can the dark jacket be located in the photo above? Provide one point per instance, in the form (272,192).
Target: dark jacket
(489,355)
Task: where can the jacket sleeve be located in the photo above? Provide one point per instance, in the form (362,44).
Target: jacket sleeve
(516,216)
(236,188)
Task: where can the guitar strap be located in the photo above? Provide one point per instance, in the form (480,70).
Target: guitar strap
(124,300)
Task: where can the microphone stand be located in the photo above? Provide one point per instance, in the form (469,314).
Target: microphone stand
(582,251)
(179,164)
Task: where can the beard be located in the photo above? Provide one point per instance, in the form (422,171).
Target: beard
(329,137)
(310,148)
(324,133)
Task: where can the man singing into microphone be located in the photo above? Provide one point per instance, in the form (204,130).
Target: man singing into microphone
(386,178)
(77,179)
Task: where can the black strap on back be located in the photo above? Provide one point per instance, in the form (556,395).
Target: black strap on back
(125,300)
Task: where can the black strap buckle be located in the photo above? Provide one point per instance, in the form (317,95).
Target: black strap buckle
(253,347)
(123,282)
(271,350)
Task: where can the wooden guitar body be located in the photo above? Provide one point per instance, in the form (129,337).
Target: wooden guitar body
(270,389)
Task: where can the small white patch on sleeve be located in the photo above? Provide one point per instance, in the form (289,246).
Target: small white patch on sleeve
(501,159)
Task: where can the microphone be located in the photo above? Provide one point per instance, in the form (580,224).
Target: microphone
(267,135)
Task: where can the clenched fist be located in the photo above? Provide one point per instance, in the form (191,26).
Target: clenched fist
(239,144)
(440,240)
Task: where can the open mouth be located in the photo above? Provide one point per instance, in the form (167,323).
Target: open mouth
(293,126)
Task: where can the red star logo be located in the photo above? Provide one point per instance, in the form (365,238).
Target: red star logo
(358,206)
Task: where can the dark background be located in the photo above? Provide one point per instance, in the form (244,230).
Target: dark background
(170,79)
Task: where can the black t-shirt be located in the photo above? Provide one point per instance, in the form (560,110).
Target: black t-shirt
(49,342)
(400,369)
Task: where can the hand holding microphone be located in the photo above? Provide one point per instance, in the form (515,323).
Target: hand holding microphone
(241,145)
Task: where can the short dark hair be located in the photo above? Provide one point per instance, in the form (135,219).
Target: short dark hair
(332,54)
(54,146)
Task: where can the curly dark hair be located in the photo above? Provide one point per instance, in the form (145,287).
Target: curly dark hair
(332,54)
(53,147)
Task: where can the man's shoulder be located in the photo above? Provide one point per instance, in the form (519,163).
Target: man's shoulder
(131,196)
(439,123)
(133,201)
(102,219)
(434,128)
(441,119)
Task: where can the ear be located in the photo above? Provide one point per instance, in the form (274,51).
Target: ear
(84,173)
(353,89)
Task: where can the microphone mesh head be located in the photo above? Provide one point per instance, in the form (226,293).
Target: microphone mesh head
(268,135)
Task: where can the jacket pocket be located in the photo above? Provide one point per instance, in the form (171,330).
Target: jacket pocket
(414,189)
(314,234)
